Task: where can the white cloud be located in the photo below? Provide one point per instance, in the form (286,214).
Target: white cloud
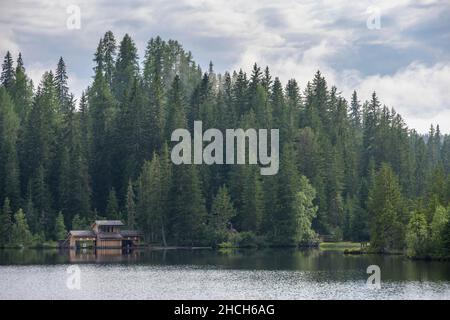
(418,92)
(7,42)
(293,38)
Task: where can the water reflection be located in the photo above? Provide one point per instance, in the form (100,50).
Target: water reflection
(324,265)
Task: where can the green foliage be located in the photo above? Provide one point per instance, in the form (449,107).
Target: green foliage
(428,239)
(112,206)
(188,216)
(417,235)
(131,207)
(246,239)
(20,233)
(7,77)
(446,240)
(5,224)
(440,218)
(79,223)
(9,165)
(351,170)
(387,212)
(306,212)
(60,228)
(222,212)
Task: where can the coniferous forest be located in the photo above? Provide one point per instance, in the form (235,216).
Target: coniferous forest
(349,169)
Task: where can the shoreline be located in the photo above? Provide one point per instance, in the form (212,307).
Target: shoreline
(345,247)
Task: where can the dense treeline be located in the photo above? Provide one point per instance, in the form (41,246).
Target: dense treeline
(351,170)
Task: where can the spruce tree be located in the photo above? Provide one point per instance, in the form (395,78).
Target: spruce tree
(188,212)
(62,88)
(8,75)
(222,212)
(112,206)
(126,69)
(22,92)
(131,207)
(109,55)
(417,235)
(387,213)
(60,232)
(20,233)
(5,223)
(9,161)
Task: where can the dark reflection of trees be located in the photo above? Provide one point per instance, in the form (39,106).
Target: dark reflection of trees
(30,256)
(319,265)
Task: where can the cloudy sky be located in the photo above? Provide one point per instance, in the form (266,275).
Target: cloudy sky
(398,48)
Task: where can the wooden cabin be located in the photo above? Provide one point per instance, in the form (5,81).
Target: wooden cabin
(106,234)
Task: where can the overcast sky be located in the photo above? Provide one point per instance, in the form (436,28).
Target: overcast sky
(406,60)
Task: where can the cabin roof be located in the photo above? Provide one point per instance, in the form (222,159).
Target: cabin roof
(108,223)
(82,233)
(109,235)
(131,233)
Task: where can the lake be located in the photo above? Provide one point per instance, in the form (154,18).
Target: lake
(210,274)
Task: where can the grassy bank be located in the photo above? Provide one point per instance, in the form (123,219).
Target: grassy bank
(340,246)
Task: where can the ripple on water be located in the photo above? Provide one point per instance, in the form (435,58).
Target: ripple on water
(195,282)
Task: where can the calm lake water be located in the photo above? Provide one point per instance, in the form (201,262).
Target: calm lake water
(208,274)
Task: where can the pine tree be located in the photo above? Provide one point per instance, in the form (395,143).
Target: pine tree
(148,209)
(20,233)
(176,115)
(355,111)
(152,204)
(371,121)
(5,223)
(386,209)
(126,70)
(132,138)
(7,78)
(112,206)
(60,232)
(239,93)
(131,207)
(9,164)
(62,88)
(22,92)
(283,226)
(417,235)
(446,239)
(79,223)
(101,111)
(166,183)
(440,218)
(251,212)
(154,83)
(109,54)
(188,212)
(306,211)
(222,212)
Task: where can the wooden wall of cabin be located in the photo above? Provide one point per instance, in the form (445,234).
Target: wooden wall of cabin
(109,243)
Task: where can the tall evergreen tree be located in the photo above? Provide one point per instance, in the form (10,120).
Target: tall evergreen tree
(126,70)
(222,212)
(20,233)
(62,88)
(9,165)
(188,212)
(5,223)
(60,232)
(112,206)
(8,75)
(387,213)
(131,207)
(22,93)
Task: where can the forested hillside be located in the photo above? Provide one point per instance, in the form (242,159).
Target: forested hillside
(349,169)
